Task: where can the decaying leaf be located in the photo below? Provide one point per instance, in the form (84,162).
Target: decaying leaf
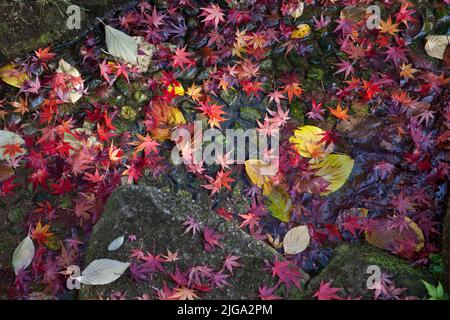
(145,53)
(382,237)
(10,75)
(116,243)
(23,255)
(102,271)
(6,171)
(353,13)
(8,139)
(279,203)
(335,169)
(302,31)
(436,45)
(307,142)
(121,45)
(296,240)
(276,243)
(168,118)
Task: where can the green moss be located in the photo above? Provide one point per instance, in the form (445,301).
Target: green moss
(296,111)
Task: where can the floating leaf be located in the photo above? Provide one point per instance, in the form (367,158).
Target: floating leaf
(23,255)
(8,138)
(103,271)
(296,240)
(121,45)
(382,237)
(335,169)
(436,45)
(307,142)
(279,203)
(116,243)
(12,76)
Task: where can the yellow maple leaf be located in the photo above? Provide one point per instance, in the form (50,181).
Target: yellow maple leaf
(407,71)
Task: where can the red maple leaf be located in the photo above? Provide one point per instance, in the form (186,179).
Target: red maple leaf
(213,15)
(266,293)
(326,292)
(287,272)
(222,180)
(181,57)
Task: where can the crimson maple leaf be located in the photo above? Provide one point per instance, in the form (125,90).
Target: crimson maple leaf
(266,293)
(213,15)
(287,272)
(231,262)
(211,239)
(326,292)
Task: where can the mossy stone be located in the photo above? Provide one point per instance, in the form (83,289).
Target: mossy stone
(155,217)
(348,270)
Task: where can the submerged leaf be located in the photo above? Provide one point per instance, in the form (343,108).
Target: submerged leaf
(279,203)
(23,255)
(10,75)
(335,169)
(103,271)
(296,240)
(121,45)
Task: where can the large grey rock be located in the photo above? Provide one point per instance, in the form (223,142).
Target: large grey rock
(348,270)
(156,218)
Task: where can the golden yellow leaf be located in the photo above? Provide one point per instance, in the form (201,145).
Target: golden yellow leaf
(12,76)
(179,90)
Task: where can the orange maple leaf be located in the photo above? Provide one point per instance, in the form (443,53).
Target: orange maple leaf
(41,233)
(339,112)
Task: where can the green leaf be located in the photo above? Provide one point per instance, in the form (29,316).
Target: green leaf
(279,204)
(121,45)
